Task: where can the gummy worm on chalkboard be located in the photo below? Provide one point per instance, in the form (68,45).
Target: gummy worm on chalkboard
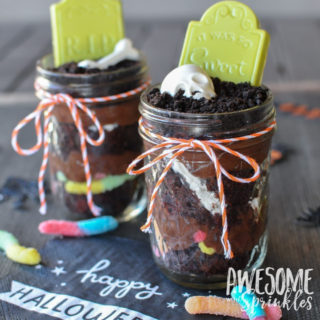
(15,252)
(84,228)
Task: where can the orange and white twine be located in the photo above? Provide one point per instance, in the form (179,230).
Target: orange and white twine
(74,105)
(172,148)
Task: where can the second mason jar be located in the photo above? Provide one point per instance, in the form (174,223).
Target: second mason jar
(115,192)
(187,222)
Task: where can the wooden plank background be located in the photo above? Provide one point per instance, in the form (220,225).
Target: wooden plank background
(293,57)
(35,10)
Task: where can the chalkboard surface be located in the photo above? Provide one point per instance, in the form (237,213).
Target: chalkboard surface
(98,278)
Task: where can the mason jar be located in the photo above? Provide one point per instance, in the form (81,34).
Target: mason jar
(115,192)
(186,225)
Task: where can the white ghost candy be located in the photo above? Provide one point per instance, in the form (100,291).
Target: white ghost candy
(123,50)
(190,78)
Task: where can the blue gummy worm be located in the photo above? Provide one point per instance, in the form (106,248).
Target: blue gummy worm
(248,302)
(99,225)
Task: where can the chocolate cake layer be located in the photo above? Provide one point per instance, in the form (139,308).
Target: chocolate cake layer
(121,112)
(193,261)
(180,213)
(107,164)
(118,140)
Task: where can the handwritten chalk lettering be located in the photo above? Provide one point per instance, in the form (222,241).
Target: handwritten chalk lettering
(126,285)
(44,305)
(21,293)
(93,316)
(64,306)
(37,300)
(120,288)
(74,310)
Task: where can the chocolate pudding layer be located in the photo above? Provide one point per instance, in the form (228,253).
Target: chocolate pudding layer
(187,221)
(113,190)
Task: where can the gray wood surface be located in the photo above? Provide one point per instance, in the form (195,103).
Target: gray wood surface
(295,183)
(293,56)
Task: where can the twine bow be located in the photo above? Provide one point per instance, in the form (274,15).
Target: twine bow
(47,106)
(173,148)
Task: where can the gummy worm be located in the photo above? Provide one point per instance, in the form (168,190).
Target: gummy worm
(15,252)
(108,183)
(199,237)
(249,302)
(82,228)
(206,250)
(226,307)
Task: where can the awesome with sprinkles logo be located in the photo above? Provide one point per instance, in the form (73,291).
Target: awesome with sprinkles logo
(282,287)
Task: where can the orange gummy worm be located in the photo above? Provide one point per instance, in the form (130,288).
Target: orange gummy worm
(214,305)
(225,307)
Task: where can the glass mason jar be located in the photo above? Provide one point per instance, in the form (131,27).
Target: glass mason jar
(187,222)
(114,191)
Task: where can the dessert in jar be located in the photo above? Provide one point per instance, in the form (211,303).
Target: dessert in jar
(207,151)
(187,221)
(112,188)
(89,90)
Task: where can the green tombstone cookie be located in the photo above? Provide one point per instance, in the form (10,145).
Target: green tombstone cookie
(227,43)
(85,29)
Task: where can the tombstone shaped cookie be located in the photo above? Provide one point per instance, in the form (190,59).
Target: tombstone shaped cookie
(85,29)
(227,43)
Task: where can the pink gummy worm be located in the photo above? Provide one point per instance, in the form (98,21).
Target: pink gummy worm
(272,311)
(61,228)
(199,236)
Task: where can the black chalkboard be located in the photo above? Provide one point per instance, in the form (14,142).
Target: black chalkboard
(93,279)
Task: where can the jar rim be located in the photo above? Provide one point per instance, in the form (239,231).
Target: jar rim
(42,70)
(100,84)
(195,125)
(159,112)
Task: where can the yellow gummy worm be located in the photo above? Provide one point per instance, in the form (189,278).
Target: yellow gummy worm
(205,249)
(23,255)
(98,186)
(10,245)
(81,187)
